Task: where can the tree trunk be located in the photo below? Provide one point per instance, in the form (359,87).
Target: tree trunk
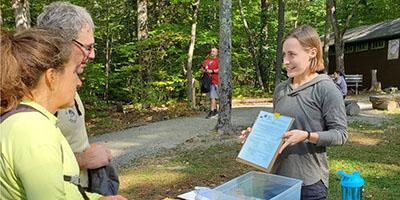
(225,75)
(22,14)
(375,85)
(252,49)
(326,38)
(263,45)
(107,55)
(384,102)
(142,33)
(189,72)
(107,65)
(338,39)
(1,19)
(374,78)
(339,52)
(281,29)
(339,43)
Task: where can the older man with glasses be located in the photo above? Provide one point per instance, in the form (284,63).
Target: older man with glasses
(76,21)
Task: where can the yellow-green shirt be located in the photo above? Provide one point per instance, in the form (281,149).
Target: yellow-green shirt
(34,158)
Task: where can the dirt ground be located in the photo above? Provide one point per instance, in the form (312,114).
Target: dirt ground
(112,120)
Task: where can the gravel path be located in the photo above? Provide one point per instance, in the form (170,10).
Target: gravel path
(131,144)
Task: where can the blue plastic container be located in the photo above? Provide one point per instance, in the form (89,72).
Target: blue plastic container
(352,185)
(261,186)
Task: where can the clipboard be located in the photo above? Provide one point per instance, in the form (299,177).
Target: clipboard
(261,147)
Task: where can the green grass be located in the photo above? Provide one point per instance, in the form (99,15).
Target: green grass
(372,150)
(177,172)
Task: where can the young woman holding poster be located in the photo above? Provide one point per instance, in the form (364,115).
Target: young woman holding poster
(317,106)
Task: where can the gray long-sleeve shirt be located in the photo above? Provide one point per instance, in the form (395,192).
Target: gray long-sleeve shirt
(316,106)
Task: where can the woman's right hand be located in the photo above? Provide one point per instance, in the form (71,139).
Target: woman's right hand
(116,197)
(244,134)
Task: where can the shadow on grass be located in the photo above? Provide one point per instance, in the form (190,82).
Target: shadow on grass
(378,163)
(179,174)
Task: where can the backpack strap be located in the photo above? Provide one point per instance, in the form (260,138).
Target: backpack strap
(18,109)
(74,179)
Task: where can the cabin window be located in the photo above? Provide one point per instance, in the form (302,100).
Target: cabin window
(362,47)
(378,44)
(349,49)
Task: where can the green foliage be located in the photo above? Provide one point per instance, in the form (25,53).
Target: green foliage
(162,77)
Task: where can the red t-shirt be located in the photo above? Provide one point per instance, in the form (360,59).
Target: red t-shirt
(212,64)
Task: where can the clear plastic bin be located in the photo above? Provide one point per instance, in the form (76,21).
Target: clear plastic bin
(261,186)
(210,194)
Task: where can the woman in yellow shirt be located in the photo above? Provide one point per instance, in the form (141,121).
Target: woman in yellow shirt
(39,69)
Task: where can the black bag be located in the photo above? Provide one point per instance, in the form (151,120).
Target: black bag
(103,180)
(205,83)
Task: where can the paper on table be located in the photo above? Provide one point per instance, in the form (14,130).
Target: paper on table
(260,148)
(188,195)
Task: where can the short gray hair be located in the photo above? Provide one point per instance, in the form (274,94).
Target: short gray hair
(66,16)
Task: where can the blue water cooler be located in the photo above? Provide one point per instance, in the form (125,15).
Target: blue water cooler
(352,185)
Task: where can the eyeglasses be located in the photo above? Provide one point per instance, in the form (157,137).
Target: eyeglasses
(88,49)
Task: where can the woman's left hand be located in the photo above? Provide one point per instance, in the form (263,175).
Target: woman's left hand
(293,137)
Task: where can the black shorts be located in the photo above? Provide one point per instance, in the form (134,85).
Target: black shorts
(316,191)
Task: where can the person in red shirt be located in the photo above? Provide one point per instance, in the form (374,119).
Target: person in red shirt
(210,66)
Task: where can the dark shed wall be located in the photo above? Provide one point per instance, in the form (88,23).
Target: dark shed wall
(363,62)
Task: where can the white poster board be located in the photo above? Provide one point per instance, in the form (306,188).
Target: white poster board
(393,49)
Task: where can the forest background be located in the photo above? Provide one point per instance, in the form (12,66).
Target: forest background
(142,59)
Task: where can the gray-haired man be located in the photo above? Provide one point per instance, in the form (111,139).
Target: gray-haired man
(78,23)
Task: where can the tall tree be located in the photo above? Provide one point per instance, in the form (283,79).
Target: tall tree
(281,29)
(107,49)
(1,19)
(251,45)
(142,34)
(326,37)
(224,71)
(189,72)
(339,32)
(22,14)
(263,44)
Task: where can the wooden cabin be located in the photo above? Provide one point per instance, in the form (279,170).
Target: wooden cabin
(371,47)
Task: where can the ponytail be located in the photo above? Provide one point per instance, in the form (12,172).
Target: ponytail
(12,88)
